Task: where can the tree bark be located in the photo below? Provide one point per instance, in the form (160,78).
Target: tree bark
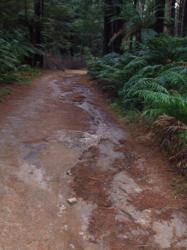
(180,18)
(38,39)
(172,15)
(112,27)
(107,26)
(160,14)
(184,26)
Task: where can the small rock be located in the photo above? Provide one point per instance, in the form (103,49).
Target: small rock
(138,190)
(72,200)
(92,239)
(66,228)
(123,237)
(69,173)
(72,246)
(62,208)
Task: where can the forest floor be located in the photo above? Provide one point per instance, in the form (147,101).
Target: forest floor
(59,139)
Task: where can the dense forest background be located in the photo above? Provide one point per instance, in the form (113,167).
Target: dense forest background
(136,48)
(76,27)
(31,28)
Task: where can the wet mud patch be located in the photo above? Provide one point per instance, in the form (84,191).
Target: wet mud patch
(118,235)
(78,98)
(95,170)
(148,199)
(102,223)
(64,116)
(91,184)
(92,180)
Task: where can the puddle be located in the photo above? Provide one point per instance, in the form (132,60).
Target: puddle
(102,127)
(76,139)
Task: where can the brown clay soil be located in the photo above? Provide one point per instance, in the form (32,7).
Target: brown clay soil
(58,140)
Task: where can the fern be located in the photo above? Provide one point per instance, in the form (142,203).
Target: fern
(13,50)
(145,84)
(174,78)
(152,80)
(162,103)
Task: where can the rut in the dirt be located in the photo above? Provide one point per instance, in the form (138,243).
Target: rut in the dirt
(60,141)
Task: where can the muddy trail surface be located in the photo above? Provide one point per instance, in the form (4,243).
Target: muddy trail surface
(60,141)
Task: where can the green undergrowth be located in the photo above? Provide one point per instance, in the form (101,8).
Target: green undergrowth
(26,74)
(129,116)
(15,52)
(150,83)
(23,76)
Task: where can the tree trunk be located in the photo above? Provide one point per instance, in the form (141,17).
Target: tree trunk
(138,34)
(38,39)
(138,37)
(172,14)
(135,2)
(184,26)
(107,26)
(112,27)
(160,14)
(180,18)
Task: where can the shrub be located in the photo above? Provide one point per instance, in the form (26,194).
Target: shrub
(153,81)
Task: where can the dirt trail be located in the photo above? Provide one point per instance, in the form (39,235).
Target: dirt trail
(61,141)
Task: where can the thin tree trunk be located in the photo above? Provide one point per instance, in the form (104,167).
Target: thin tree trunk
(26,9)
(184,26)
(112,27)
(118,26)
(138,34)
(138,37)
(180,17)
(107,26)
(131,42)
(172,16)
(39,9)
(160,14)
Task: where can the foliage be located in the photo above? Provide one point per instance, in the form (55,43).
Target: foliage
(151,80)
(61,28)
(137,20)
(166,49)
(172,136)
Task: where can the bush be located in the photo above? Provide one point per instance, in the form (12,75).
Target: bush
(14,48)
(152,81)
